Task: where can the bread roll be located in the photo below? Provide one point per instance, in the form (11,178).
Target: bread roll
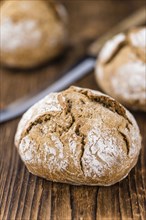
(32,32)
(121,68)
(79,136)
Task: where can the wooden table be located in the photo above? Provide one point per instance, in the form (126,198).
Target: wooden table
(24,196)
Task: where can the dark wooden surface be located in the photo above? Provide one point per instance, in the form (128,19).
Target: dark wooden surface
(24,196)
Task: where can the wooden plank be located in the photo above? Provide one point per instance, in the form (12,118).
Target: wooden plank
(83,202)
(61,208)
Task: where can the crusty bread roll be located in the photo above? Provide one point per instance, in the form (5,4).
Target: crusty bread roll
(121,68)
(79,136)
(32,32)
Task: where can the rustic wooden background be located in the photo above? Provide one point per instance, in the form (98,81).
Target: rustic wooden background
(24,196)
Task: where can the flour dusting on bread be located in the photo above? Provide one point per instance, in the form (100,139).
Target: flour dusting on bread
(79,136)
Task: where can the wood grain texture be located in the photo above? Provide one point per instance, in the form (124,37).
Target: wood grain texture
(25,196)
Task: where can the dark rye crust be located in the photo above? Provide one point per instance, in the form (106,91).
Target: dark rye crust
(80,108)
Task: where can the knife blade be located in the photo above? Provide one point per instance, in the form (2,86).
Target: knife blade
(20,106)
(79,70)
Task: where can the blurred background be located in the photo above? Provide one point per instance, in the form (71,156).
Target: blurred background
(87,20)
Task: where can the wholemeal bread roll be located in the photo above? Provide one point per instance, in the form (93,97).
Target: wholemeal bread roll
(121,68)
(78,136)
(32,32)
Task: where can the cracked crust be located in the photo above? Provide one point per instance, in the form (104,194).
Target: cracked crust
(79,136)
(31,37)
(121,68)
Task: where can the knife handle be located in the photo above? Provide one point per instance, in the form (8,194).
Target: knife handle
(138,18)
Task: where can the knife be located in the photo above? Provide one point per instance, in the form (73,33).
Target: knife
(79,70)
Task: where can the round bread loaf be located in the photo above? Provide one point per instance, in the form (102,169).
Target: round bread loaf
(32,32)
(121,68)
(79,136)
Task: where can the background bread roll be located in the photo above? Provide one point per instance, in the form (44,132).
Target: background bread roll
(79,136)
(32,32)
(121,68)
